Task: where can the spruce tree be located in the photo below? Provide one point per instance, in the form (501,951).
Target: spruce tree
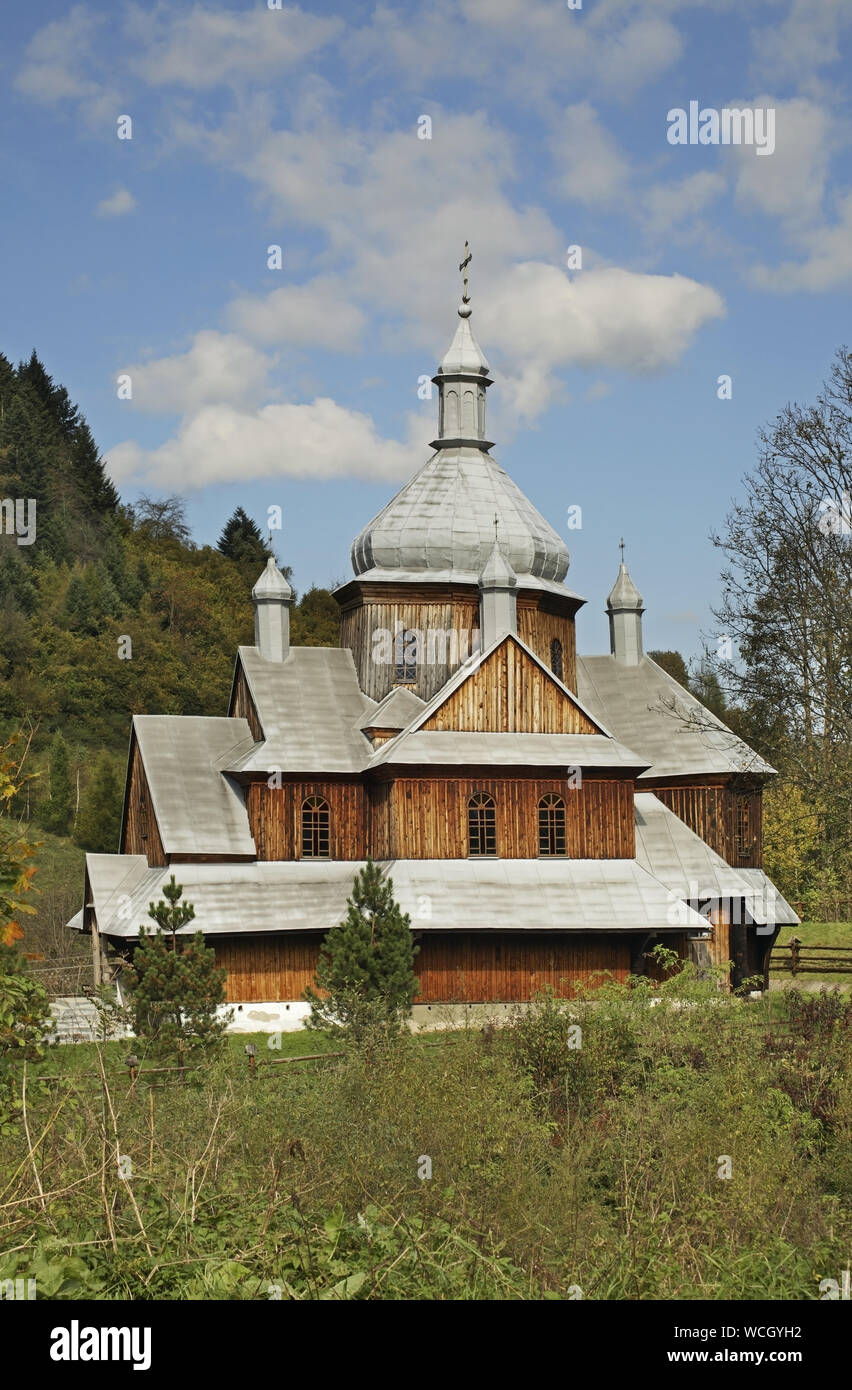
(365,973)
(241,540)
(175,984)
(99,822)
(56,811)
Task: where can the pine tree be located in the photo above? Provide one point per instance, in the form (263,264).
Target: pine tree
(99,822)
(365,973)
(55,813)
(674,664)
(241,540)
(176,987)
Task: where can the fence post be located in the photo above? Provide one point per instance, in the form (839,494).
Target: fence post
(133,1063)
(251,1052)
(795,943)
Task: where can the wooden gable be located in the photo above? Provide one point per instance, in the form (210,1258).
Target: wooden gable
(510,692)
(140,833)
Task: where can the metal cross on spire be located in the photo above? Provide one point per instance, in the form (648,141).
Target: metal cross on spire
(468,257)
(621,548)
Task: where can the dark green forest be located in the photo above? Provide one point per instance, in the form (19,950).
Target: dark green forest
(113,611)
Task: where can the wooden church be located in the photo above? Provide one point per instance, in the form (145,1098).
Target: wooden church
(545,819)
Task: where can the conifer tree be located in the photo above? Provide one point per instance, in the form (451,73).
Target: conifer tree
(365,973)
(241,540)
(99,822)
(176,987)
(55,814)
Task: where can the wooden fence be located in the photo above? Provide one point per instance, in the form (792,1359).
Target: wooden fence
(801,959)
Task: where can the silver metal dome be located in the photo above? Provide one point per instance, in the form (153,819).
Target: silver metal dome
(443,520)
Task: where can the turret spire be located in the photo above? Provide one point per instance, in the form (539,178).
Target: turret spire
(625,608)
(462,380)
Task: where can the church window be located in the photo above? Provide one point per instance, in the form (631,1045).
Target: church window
(481,824)
(551,824)
(743,828)
(405,664)
(556,658)
(315,828)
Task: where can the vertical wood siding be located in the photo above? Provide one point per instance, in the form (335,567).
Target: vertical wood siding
(710,809)
(509,693)
(141,833)
(243,707)
(275,818)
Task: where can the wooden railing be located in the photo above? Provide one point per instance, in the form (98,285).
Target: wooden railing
(800,958)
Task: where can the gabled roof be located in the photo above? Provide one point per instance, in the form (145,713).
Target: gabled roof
(198,810)
(634,700)
(584,895)
(418,745)
(310,708)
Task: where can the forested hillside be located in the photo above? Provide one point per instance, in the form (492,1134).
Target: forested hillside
(112,611)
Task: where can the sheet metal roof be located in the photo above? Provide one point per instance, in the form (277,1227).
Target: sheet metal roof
(198,810)
(690,868)
(310,707)
(399,708)
(631,700)
(776,908)
(462,894)
(446,747)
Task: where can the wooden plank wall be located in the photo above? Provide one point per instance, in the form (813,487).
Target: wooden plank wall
(275,818)
(426,818)
(442,615)
(141,832)
(471,967)
(710,810)
(509,693)
(243,706)
(538,629)
(466,967)
(275,968)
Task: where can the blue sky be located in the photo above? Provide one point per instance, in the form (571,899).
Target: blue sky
(298,127)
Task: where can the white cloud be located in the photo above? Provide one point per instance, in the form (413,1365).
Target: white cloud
(668,206)
(56,57)
(316,314)
(790,183)
(118,204)
(218,368)
(202,47)
(804,41)
(828,258)
(543,320)
(222,444)
(589,165)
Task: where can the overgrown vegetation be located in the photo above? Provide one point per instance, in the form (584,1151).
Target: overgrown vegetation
(554,1167)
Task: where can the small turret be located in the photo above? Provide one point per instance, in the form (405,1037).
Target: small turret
(625,608)
(498,603)
(272,597)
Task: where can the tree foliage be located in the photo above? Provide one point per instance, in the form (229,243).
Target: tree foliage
(366,974)
(99,822)
(176,987)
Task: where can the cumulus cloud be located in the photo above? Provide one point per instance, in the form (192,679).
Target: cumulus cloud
(316,314)
(118,204)
(669,206)
(220,444)
(217,368)
(608,317)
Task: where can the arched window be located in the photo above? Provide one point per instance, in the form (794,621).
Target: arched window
(743,828)
(481,824)
(551,824)
(315,821)
(556,658)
